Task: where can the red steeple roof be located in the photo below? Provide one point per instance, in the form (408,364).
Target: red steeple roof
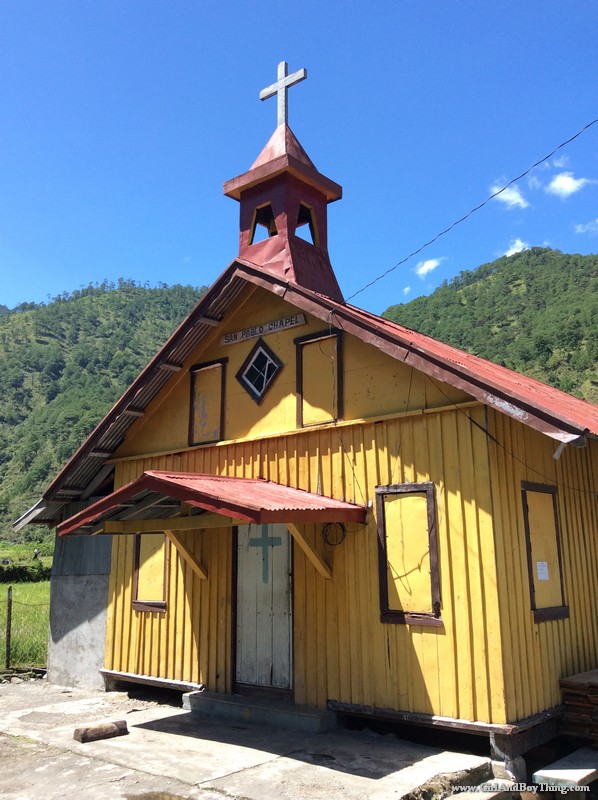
(283,153)
(283,142)
(281,192)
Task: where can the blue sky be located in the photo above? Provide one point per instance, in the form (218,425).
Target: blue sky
(121,119)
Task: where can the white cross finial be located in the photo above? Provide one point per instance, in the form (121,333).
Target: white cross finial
(281,88)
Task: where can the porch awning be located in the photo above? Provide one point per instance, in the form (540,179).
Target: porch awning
(157,495)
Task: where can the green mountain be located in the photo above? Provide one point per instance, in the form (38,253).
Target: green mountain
(64,365)
(535,312)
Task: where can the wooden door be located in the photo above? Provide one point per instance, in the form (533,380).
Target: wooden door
(264,619)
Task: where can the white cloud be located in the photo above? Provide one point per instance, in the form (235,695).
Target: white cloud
(534,183)
(424,267)
(588,227)
(407,289)
(564,184)
(561,161)
(510,196)
(517,245)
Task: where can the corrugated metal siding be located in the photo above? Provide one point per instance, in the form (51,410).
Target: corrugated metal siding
(82,555)
(341,649)
(536,655)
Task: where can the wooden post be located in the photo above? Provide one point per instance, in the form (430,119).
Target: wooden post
(8,624)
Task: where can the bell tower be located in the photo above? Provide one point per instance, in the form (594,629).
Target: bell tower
(283,205)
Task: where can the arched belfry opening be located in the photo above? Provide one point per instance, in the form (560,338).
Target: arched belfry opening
(284,204)
(306,227)
(263,224)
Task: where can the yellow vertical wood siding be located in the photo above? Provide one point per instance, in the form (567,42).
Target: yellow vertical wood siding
(490,661)
(341,649)
(536,655)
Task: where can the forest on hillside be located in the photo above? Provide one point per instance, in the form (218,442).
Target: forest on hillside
(535,312)
(64,364)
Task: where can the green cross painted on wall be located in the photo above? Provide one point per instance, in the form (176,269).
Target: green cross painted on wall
(265,542)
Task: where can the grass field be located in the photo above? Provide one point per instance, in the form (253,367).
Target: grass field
(23,553)
(30,620)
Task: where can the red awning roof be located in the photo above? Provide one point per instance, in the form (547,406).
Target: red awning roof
(249,499)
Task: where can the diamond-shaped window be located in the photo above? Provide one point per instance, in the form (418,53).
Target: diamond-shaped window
(259,371)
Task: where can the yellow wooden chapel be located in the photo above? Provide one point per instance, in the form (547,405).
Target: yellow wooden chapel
(308,499)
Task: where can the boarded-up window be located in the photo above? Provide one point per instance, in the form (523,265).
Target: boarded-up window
(319,378)
(408,556)
(149,589)
(540,514)
(206,419)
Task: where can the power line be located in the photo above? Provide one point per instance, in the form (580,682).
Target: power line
(474,209)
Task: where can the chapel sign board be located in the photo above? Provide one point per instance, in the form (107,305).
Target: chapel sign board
(275,325)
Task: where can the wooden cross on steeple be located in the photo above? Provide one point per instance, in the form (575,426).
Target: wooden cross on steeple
(281,88)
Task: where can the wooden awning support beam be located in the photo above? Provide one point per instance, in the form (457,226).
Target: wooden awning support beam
(186,554)
(314,557)
(196,522)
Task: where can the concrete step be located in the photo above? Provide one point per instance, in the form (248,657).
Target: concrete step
(577,769)
(240,708)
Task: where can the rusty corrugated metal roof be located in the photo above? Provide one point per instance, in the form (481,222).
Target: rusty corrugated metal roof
(250,499)
(549,410)
(533,393)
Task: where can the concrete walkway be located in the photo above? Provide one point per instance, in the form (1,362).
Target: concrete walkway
(170,753)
